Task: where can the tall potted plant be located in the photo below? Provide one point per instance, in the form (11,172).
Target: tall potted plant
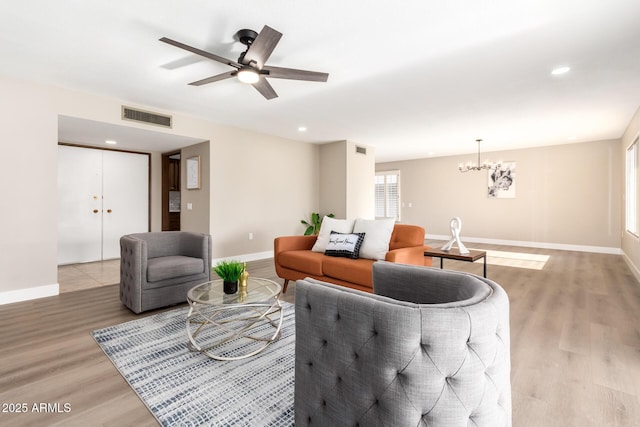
(313,227)
(229,272)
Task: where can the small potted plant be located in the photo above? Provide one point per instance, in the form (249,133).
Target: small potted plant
(229,272)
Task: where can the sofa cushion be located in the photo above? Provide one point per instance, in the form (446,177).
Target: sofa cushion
(378,234)
(357,271)
(346,245)
(305,261)
(168,267)
(329,225)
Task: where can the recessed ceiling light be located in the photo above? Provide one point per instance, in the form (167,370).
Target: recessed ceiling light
(560,70)
(110,142)
(302,128)
(571,138)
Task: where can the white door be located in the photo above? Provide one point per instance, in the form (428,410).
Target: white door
(125,204)
(103,195)
(79,204)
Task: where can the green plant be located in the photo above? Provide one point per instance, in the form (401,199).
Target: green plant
(229,271)
(313,227)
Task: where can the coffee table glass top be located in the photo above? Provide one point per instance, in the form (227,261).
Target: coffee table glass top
(212,293)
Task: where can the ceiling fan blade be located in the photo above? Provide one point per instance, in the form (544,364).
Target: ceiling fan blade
(215,78)
(200,52)
(293,74)
(261,48)
(265,88)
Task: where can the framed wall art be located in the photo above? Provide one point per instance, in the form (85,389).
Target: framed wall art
(193,173)
(501,181)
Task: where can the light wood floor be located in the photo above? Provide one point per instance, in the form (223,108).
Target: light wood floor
(575,347)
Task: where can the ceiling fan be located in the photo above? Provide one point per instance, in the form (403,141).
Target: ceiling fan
(251,65)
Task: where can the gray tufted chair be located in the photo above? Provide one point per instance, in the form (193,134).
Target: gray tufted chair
(428,348)
(157,269)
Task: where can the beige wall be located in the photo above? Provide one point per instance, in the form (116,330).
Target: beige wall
(361,170)
(630,243)
(28,220)
(333,170)
(198,217)
(565,195)
(346,185)
(258,183)
(262,185)
(155,204)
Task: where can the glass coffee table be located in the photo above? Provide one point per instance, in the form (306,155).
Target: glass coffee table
(234,326)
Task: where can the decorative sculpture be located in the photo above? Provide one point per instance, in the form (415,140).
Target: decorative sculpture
(456,226)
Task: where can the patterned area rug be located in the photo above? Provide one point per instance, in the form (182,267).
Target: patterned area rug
(186,388)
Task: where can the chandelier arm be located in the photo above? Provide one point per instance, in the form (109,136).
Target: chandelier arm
(478,166)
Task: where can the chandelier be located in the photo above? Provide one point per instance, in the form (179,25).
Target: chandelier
(470,166)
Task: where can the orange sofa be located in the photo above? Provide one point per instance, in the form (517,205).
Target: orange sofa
(294,259)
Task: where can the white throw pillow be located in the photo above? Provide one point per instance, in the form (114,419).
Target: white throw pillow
(377,236)
(329,225)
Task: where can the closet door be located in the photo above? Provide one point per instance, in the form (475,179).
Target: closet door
(125,185)
(79,204)
(102,195)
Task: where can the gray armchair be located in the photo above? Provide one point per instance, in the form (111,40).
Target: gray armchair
(428,348)
(157,269)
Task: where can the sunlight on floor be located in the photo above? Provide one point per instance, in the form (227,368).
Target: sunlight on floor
(516,259)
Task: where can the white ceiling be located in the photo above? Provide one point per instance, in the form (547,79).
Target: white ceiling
(415,78)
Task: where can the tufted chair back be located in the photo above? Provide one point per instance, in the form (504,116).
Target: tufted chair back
(428,348)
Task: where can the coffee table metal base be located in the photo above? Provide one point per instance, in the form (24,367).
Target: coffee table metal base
(236,322)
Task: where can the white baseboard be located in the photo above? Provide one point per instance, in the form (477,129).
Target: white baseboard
(540,245)
(18,295)
(245,257)
(632,266)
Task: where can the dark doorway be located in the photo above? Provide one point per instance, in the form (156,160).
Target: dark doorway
(171,191)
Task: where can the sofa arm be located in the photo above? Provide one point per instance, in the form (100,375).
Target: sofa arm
(293,243)
(412,255)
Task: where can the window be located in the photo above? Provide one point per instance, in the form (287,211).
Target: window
(388,194)
(631,188)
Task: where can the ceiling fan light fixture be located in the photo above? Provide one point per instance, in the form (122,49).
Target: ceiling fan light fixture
(251,67)
(248,75)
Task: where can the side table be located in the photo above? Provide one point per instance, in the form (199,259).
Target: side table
(454,253)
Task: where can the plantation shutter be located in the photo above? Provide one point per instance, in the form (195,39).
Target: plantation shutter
(387,194)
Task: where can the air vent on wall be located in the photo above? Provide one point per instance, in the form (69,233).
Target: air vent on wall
(141,116)
(361,150)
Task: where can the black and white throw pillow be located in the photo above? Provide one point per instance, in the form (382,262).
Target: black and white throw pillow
(345,245)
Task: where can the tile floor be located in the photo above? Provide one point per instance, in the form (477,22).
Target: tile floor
(75,277)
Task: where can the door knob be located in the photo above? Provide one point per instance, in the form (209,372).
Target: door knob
(108,210)
(95,211)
